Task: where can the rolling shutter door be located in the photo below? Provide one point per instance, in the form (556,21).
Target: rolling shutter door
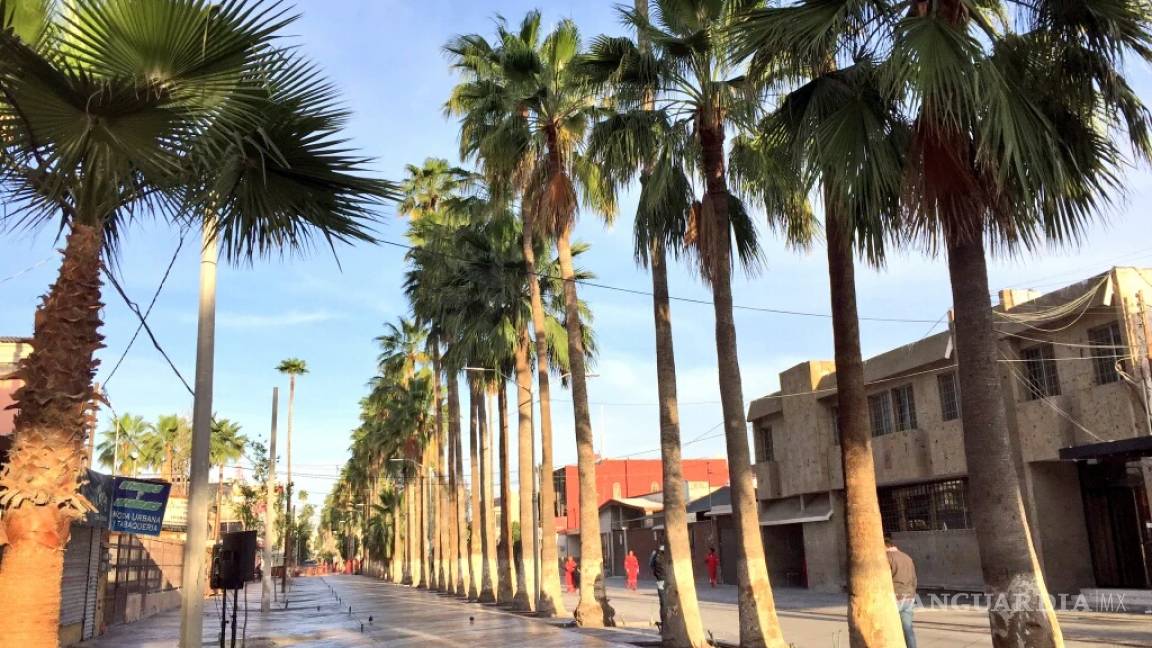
(74,584)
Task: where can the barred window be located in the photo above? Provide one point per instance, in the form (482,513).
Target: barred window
(904,402)
(880,411)
(949,396)
(1106,352)
(1041,377)
(559,483)
(764,449)
(835,413)
(932,506)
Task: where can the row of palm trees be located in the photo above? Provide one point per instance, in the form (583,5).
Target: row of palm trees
(940,124)
(194,112)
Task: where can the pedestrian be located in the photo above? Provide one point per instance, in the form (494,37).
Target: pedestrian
(904,586)
(570,574)
(576,575)
(631,569)
(656,564)
(713,563)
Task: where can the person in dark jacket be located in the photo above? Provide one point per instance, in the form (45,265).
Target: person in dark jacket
(656,564)
(904,586)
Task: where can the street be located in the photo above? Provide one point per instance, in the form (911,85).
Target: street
(394,615)
(819,620)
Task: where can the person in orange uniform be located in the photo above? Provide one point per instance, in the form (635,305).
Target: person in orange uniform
(713,563)
(631,569)
(570,574)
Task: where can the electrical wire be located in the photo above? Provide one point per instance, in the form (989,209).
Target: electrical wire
(144,323)
(147,311)
(25,271)
(645,293)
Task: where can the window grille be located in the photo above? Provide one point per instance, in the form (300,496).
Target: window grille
(932,506)
(949,396)
(1107,351)
(1040,375)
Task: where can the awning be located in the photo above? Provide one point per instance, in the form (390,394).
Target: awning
(797,510)
(1120,450)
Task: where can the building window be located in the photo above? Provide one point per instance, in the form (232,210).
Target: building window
(1107,350)
(904,404)
(934,506)
(559,480)
(1040,375)
(880,411)
(764,449)
(949,396)
(835,413)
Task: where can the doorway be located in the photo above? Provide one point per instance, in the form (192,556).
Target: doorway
(1119,524)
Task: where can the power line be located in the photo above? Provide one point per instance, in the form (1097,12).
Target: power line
(144,323)
(147,312)
(25,270)
(645,293)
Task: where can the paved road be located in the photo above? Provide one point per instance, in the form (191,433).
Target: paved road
(817,620)
(401,617)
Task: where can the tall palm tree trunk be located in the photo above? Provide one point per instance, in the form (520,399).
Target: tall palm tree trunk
(1008,559)
(421,536)
(411,563)
(759,625)
(476,531)
(593,610)
(682,626)
(487,521)
(506,560)
(288,484)
(873,619)
(526,575)
(459,504)
(439,577)
(47,455)
(549,604)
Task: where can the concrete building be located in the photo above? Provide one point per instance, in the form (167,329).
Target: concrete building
(1076,384)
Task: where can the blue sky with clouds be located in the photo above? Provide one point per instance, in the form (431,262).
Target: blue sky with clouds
(385,56)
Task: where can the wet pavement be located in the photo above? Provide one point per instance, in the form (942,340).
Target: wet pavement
(819,619)
(382,614)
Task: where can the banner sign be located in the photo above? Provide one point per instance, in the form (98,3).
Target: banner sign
(138,505)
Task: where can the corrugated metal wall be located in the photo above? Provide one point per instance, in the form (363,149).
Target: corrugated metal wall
(74,585)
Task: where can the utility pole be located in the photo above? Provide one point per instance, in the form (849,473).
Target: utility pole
(192,593)
(268,591)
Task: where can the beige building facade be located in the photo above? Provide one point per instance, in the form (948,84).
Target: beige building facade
(1076,383)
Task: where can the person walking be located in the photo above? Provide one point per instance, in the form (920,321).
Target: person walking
(631,569)
(904,585)
(656,564)
(570,574)
(712,561)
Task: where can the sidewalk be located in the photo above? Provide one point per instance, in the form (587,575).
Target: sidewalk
(819,619)
(391,615)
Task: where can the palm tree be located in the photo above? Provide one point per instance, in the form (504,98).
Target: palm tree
(638,138)
(167,447)
(177,93)
(699,94)
(1010,145)
(122,447)
(143,90)
(839,128)
(292,367)
(227,445)
(525,110)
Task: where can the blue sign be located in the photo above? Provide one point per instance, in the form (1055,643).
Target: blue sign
(138,505)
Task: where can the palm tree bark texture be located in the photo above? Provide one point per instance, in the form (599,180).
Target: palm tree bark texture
(873,619)
(41,479)
(759,625)
(549,604)
(526,590)
(507,562)
(682,624)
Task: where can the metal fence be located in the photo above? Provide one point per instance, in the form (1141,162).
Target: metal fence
(139,567)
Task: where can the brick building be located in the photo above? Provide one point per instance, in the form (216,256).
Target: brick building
(1076,385)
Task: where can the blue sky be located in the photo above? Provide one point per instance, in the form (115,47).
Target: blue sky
(385,56)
